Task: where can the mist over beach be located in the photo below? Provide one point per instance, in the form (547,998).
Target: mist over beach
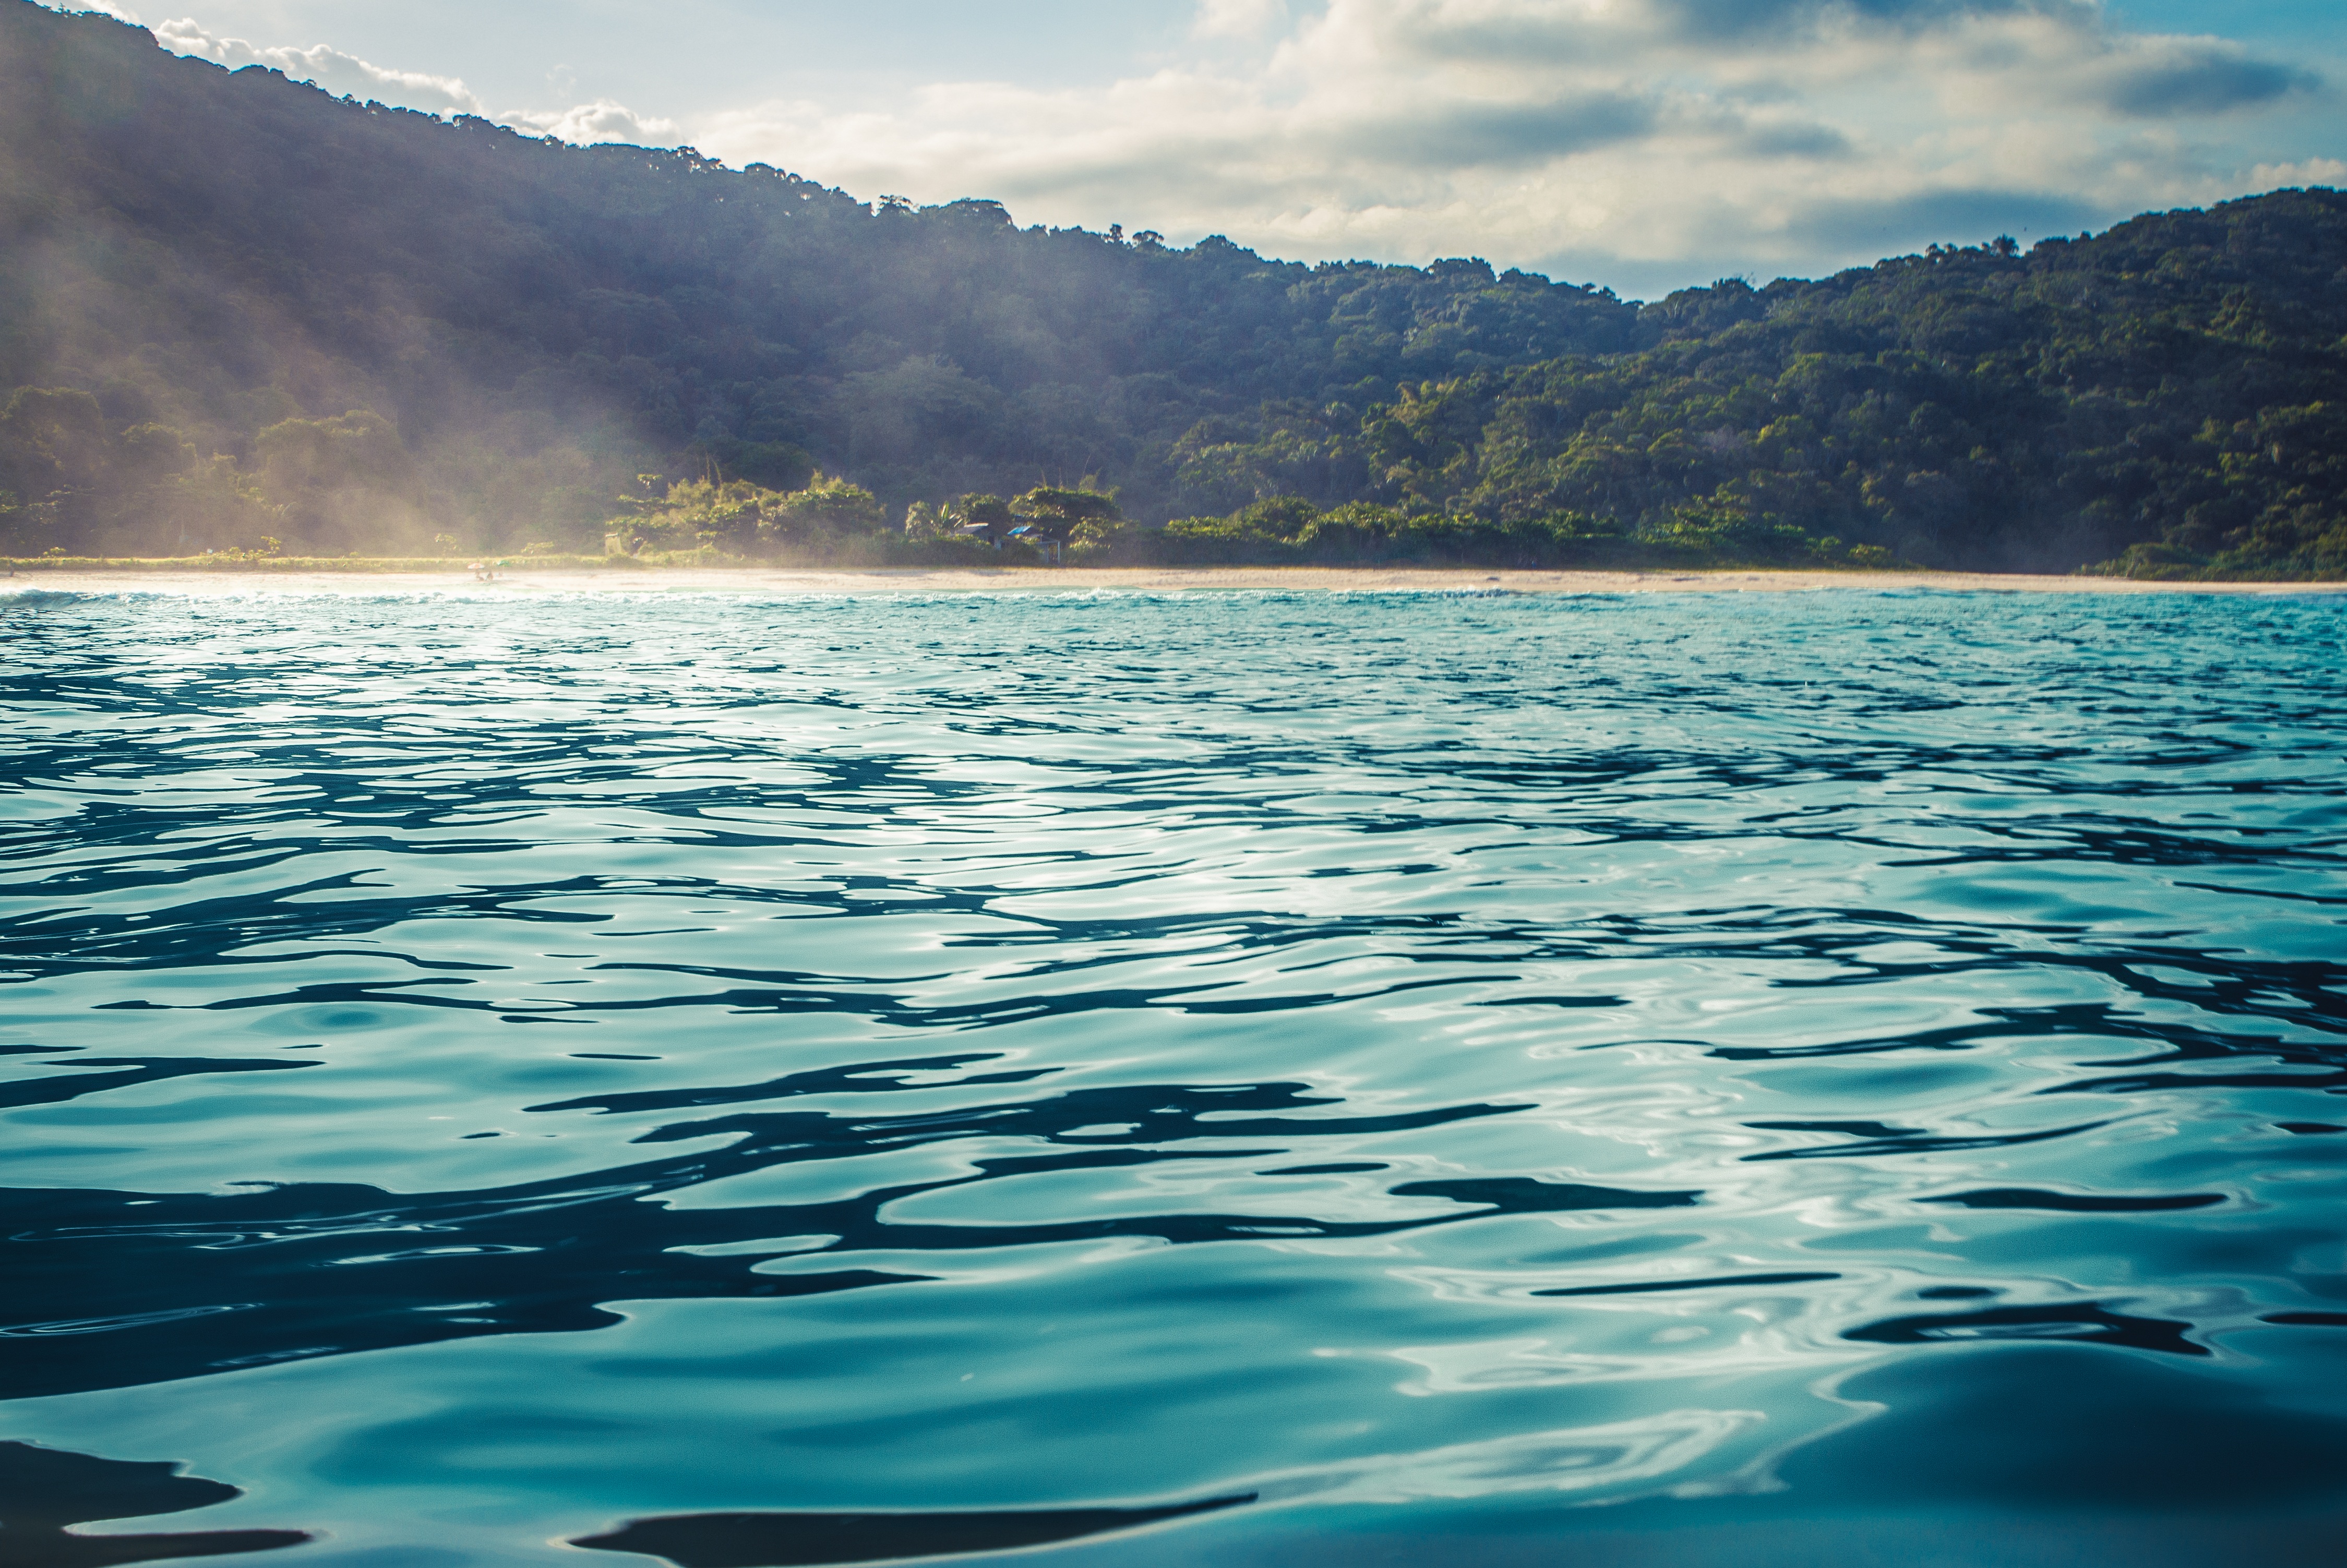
(249,318)
(1477,783)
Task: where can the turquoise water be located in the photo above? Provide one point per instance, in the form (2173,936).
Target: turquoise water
(1416,1078)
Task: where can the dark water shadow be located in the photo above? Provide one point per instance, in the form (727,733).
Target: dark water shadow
(44,1491)
(2089,1322)
(139,1287)
(2078,1203)
(1659,1286)
(129,1073)
(2016,1428)
(791,1540)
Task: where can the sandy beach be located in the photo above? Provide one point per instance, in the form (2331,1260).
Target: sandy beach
(522,580)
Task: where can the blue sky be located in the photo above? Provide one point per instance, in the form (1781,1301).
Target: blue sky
(1640,143)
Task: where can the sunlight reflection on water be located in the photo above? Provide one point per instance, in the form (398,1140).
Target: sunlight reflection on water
(483,1073)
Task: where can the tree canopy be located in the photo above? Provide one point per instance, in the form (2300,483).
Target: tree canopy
(232,305)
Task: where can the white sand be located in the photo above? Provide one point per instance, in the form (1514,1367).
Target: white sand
(522,580)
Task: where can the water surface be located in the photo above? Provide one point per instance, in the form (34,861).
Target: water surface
(1190,1078)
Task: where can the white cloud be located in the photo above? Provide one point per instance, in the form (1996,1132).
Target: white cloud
(1642,143)
(2309,171)
(350,77)
(602,120)
(1626,139)
(330,68)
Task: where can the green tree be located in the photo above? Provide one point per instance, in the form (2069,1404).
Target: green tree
(989,518)
(826,512)
(56,460)
(1050,514)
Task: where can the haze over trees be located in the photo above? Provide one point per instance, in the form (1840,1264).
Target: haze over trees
(234,308)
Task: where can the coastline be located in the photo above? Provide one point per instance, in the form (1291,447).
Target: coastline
(522,579)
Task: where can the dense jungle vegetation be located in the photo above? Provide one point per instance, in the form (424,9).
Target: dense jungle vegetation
(234,310)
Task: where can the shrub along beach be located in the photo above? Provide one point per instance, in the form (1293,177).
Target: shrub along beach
(463,341)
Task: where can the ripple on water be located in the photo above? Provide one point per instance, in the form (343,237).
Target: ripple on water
(801,1080)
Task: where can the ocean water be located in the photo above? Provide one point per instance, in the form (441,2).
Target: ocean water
(1215,1078)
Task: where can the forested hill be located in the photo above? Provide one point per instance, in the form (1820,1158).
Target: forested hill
(232,305)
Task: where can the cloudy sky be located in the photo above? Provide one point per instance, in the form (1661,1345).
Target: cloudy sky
(1640,143)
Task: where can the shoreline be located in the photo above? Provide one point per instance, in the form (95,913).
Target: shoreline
(521,579)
